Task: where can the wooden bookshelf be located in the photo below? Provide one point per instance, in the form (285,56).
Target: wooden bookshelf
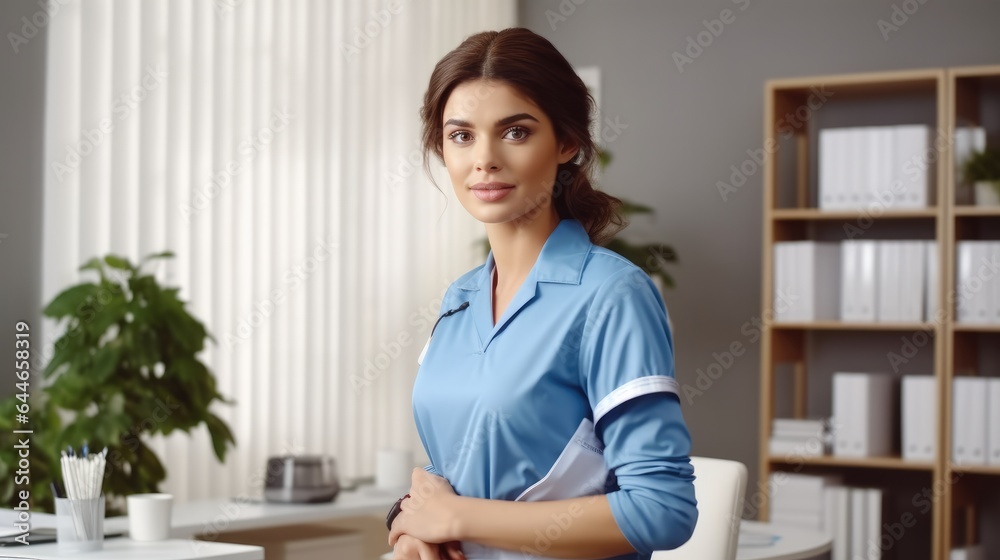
(977,211)
(948,96)
(890,463)
(843,326)
(968,96)
(968,327)
(976,469)
(817,214)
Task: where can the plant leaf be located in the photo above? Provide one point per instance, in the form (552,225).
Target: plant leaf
(163,255)
(105,315)
(94,264)
(105,361)
(220,435)
(70,300)
(629,208)
(118,262)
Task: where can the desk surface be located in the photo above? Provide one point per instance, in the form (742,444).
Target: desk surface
(210,517)
(127,549)
(790,543)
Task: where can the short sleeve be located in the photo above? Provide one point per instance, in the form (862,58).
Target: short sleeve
(627,348)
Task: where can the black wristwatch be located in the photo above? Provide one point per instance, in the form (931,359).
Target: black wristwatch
(396,509)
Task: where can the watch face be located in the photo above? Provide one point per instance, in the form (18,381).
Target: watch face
(396,508)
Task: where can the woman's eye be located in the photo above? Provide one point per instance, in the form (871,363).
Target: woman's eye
(516,133)
(454,136)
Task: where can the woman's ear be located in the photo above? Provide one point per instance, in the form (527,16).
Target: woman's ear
(567,152)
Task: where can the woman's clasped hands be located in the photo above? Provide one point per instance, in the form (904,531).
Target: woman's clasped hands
(427,525)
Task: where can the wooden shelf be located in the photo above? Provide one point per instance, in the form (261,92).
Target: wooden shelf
(959,327)
(896,82)
(977,211)
(788,214)
(891,463)
(992,470)
(795,364)
(841,326)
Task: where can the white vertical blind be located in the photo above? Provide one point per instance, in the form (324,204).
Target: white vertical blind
(262,141)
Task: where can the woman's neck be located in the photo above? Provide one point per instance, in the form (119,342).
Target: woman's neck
(517,244)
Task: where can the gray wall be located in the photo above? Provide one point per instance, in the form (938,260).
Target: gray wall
(685,128)
(22,99)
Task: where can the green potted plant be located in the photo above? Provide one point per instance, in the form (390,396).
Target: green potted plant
(982,170)
(126,366)
(649,257)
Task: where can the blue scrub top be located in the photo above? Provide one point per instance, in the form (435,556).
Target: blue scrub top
(570,393)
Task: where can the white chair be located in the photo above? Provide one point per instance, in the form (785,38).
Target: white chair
(719,486)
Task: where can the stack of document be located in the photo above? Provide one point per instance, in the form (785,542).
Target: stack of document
(799,437)
(888,281)
(851,516)
(806,275)
(918,420)
(856,281)
(901,275)
(875,166)
(798,499)
(863,414)
(854,521)
(978,280)
(975,422)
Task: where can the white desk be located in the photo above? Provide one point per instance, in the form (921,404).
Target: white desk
(123,548)
(209,517)
(792,543)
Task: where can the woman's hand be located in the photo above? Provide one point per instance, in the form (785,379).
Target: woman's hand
(429,514)
(411,548)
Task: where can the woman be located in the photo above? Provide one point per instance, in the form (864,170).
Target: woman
(545,397)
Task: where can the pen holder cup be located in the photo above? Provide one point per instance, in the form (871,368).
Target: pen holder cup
(80,524)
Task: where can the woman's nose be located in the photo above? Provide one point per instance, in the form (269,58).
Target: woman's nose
(486,159)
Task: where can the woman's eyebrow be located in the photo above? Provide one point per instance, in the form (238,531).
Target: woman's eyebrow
(499,123)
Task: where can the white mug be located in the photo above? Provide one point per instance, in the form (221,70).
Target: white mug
(149,516)
(393,469)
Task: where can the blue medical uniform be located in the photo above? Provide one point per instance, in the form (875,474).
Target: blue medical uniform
(571,393)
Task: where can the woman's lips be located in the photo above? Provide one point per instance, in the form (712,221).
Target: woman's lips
(491,192)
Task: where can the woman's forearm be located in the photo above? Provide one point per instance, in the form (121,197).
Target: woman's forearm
(575,528)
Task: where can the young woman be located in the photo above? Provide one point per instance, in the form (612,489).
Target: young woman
(545,397)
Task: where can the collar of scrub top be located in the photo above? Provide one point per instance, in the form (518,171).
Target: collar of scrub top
(561,261)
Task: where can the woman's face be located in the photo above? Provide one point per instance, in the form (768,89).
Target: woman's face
(501,152)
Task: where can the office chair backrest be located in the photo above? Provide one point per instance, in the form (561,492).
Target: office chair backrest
(719,486)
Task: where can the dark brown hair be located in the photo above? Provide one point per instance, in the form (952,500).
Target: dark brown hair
(529,63)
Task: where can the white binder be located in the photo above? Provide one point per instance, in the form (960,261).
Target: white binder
(969,421)
(919,429)
(863,413)
(993,422)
